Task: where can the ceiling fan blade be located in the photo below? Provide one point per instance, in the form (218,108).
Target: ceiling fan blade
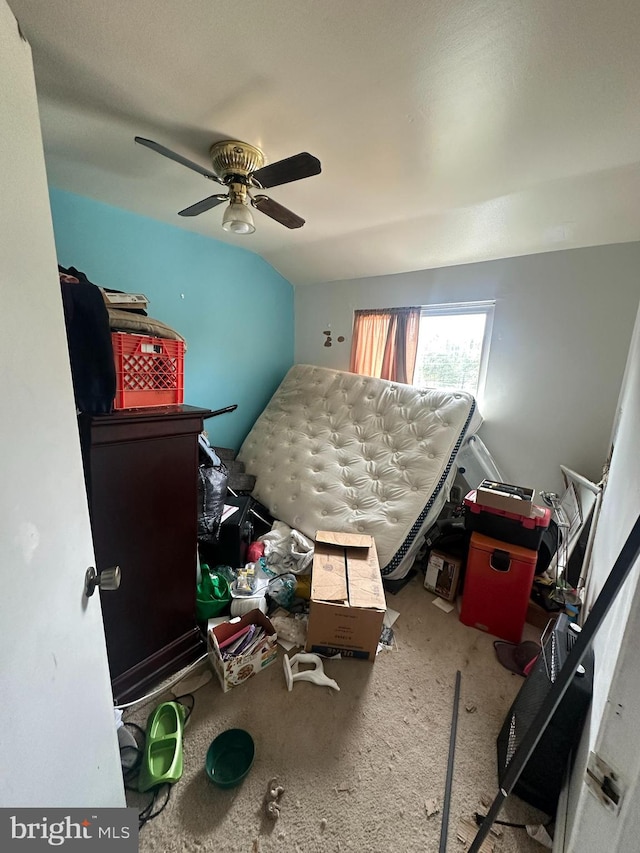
(166,152)
(284,171)
(276,211)
(201,206)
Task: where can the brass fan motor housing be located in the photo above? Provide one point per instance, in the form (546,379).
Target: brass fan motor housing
(230,157)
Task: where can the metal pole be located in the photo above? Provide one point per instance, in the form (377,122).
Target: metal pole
(444,829)
(617,576)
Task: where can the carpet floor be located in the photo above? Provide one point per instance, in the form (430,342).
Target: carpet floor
(363,769)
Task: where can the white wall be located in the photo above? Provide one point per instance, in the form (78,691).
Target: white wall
(561,331)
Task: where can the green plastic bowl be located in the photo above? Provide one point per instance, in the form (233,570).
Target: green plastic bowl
(229,758)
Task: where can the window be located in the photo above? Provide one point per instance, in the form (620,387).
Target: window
(453,346)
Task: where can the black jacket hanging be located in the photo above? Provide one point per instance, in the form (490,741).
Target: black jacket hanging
(89,339)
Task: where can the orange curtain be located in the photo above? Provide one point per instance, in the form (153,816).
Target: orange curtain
(385,343)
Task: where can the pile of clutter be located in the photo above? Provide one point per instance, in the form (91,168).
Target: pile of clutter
(324,598)
(278,572)
(235,601)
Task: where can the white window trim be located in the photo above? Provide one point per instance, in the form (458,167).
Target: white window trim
(487,308)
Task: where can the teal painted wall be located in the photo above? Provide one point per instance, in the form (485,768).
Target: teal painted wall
(234,310)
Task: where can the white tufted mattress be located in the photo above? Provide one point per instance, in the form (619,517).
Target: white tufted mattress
(340,451)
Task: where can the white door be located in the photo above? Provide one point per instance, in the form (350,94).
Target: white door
(59,745)
(611,730)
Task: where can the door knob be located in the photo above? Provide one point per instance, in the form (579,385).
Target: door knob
(106,579)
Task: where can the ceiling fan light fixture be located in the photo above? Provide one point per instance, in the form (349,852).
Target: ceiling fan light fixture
(240,167)
(238,219)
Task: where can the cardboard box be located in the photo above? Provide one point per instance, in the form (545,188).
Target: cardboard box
(506,497)
(125,300)
(347,596)
(237,670)
(443,574)
(538,616)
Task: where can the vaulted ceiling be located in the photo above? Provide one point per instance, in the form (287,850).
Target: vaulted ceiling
(449,131)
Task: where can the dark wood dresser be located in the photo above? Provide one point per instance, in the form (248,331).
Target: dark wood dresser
(141,477)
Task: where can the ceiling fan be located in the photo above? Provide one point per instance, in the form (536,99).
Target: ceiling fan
(240,168)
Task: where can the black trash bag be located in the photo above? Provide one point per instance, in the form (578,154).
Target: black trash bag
(212,492)
(448,535)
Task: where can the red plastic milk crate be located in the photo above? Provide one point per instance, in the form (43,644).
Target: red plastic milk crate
(149,371)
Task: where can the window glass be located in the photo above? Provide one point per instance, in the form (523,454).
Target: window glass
(453,346)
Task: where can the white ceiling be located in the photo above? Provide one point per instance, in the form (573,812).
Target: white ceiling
(449,131)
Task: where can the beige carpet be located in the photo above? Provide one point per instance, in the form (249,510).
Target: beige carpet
(358,766)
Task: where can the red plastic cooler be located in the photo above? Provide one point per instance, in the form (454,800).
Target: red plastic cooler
(497,587)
